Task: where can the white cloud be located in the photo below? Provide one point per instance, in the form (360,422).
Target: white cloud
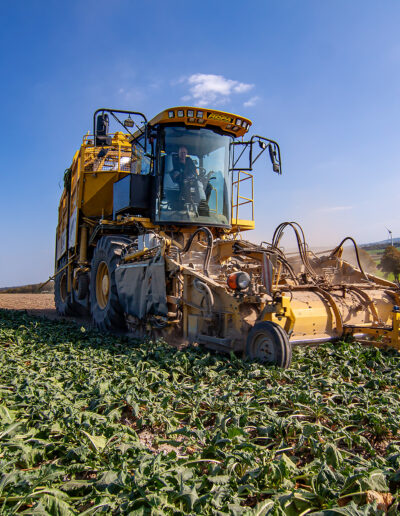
(251,102)
(208,88)
(131,94)
(331,209)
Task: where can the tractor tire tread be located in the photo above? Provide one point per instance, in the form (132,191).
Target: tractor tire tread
(280,341)
(108,250)
(63,308)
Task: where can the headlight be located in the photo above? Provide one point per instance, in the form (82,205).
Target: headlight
(238,280)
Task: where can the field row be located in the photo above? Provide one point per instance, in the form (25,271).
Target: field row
(94,423)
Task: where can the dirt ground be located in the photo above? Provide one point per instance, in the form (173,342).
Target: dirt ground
(36,304)
(41,305)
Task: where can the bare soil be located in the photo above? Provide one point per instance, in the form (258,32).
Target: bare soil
(41,305)
(35,304)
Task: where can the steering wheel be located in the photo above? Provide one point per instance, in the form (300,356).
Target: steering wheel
(202,172)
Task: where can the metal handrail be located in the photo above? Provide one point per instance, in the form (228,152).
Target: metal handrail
(247,200)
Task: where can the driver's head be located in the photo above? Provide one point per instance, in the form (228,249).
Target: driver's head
(182,153)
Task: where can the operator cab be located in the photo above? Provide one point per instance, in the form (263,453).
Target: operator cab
(192,166)
(183,168)
(195,182)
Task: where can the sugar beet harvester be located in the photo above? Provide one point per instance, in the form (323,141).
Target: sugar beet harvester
(149,239)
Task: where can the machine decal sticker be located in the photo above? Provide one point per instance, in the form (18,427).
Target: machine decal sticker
(72,229)
(61,243)
(220,117)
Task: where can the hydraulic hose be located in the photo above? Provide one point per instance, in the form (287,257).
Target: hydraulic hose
(276,252)
(301,243)
(357,255)
(204,289)
(210,244)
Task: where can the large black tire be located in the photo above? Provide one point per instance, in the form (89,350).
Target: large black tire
(62,299)
(83,286)
(107,313)
(269,343)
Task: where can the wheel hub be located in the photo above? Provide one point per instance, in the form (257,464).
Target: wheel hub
(102,285)
(105,285)
(264,348)
(63,287)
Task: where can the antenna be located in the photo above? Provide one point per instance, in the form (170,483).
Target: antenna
(390,236)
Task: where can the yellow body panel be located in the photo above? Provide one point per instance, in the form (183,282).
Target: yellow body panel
(91,180)
(242,225)
(98,192)
(228,122)
(309,314)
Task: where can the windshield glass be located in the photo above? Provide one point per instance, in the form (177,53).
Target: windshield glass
(196,185)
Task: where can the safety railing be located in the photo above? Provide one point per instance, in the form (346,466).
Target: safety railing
(114,158)
(243,179)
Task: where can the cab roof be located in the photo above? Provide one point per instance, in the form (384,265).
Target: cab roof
(202,117)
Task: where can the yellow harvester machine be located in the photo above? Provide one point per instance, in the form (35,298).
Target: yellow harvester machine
(149,238)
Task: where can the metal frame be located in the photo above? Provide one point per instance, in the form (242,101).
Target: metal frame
(245,200)
(112,113)
(272,146)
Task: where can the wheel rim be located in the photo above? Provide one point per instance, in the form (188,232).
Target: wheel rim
(263,348)
(102,285)
(63,288)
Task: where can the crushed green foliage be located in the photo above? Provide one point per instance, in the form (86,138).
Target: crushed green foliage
(95,423)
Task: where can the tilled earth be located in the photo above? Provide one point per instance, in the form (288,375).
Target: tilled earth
(42,305)
(37,304)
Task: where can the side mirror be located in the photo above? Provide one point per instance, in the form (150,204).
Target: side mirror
(272,155)
(101,137)
(102,125)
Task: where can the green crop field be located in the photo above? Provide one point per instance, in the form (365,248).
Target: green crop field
(93,423)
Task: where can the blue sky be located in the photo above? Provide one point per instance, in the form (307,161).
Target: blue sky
(320,77)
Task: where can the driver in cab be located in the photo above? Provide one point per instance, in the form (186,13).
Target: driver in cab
(186,180)
(183,166)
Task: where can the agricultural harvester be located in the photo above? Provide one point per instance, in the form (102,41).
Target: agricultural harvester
(150,239)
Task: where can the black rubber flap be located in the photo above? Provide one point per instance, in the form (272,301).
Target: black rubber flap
(141,288)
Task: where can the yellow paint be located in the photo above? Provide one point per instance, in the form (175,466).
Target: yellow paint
(395,330)
(240,180)
(242,225)
(210,117)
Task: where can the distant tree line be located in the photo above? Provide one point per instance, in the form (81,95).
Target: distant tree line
(390,262)
(29,289)
(379,245)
